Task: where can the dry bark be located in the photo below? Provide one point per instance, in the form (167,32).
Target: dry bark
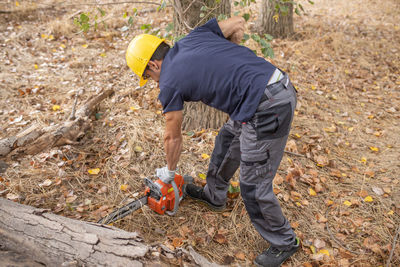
(54,240)
(34,237)
(266,23)
(37,138)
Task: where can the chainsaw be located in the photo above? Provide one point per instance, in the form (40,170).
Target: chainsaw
(159,196)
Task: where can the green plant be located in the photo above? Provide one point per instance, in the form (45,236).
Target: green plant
(86,20)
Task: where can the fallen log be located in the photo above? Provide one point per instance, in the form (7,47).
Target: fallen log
(36,138)
(47,239)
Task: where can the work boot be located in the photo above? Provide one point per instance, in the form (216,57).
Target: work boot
(273,257)
(197,193)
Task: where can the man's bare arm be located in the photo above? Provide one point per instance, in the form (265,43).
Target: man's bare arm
(233,29)
(173,137)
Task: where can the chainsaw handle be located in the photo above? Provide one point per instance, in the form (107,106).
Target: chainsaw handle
(176,202)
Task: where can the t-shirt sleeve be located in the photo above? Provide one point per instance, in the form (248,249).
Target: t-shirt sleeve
(171,99)
(211,25)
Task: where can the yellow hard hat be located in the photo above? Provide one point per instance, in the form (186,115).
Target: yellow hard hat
(139,52)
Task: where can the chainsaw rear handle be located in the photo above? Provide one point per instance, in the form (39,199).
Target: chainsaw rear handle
(177,198)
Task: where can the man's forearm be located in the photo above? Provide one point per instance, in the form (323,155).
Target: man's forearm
(173,148)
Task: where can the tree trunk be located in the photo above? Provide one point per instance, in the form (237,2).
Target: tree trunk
(38,138)
(278,25)
(186,17)
(32,237)
(55,241)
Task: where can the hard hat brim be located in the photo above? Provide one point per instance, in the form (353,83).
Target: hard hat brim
(142,81)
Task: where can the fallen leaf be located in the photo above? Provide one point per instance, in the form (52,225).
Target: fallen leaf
(321,218)
(202,176)
(71,199)
(375,149)
(321,160)
(324,251)
(94,171)
(124,187)
(368,199)
(318,243)
(219,238)
(56,107)
(102,190)
(138,149)
(240,256)
(377,190)
(278,179)
(46,183)
(311,192)
(347,203)
(205,156)
(12,196)
(177,242)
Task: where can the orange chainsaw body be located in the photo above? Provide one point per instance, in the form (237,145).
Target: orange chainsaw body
(167,200)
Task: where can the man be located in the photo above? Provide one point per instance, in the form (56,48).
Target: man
(209,65)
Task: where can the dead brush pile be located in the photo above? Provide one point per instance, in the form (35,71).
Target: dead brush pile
(339,186)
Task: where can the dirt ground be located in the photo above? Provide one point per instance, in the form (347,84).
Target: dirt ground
(338,186)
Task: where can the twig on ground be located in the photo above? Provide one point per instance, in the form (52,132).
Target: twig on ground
(393,246)
(294,154)
(335,239)
(72,117)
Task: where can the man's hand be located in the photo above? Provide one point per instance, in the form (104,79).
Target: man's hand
(233,29)
(165,175)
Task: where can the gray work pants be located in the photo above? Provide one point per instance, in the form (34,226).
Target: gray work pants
(257,146)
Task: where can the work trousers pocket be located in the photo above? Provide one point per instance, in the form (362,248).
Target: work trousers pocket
(273,122)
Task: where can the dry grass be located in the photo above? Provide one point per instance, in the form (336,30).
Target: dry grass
(344,59)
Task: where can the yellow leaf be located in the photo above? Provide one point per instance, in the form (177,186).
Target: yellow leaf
(298,204)
(312,192)
(56,107)
(390,212)
(368,199)
(158,112)
(85,45)
(313,250)
(205,156)
(374,148)
(347,71)
(297,135)
(313,87)
(44,36)
(16,3)
(234,183)
(94,171)
(134,108)
(62,46)
(123,187)
(125,15)
(350,129)
(138,149)
(324,251)
(347,203)
(36,66)
(276,17)
(51,37)
(202,176)
(364,160)
(370,117)
(103,55)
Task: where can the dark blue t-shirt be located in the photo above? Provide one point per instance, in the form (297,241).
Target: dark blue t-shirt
(204,66)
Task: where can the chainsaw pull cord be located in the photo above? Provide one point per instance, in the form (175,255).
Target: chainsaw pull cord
(176,202)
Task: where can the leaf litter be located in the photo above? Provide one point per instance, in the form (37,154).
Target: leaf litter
(341,196)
